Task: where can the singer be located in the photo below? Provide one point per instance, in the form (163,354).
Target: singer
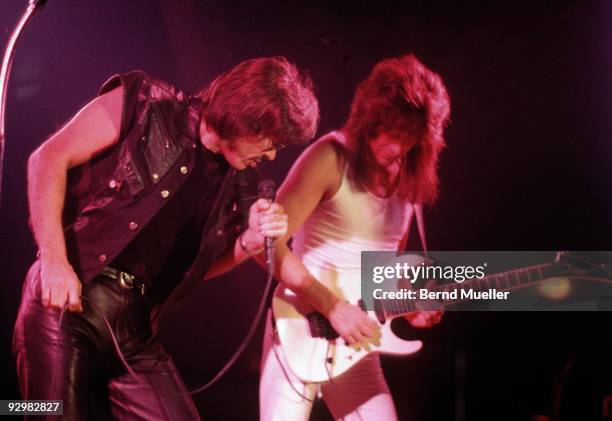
(146,191)
(352,190)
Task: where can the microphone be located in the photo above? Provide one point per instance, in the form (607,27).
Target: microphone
(267,190)
(37,3)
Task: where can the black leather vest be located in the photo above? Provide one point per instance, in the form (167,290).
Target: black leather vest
(113,196)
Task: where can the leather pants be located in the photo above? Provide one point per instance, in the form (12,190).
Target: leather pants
(73,357)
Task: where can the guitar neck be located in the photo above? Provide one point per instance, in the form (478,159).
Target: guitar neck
(501,282)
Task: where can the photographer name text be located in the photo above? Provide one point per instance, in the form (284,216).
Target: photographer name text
(454,295)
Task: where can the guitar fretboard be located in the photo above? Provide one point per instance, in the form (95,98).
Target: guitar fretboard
(501,281)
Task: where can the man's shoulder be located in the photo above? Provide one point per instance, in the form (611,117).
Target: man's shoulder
(329,149)
(138,82)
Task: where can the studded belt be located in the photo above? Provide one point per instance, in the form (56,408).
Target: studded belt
(126,280)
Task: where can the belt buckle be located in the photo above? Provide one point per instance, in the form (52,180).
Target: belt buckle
(126,280)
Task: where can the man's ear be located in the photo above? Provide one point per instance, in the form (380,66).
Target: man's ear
(209,138)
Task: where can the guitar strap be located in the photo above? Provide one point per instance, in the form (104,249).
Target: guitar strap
(418,210)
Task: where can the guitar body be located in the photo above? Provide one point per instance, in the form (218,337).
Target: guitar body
(317,359)
(316,354)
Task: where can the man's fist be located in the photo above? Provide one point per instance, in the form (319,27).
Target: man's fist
(60,286)
(266,219)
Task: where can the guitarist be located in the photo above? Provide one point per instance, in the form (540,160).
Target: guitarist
(353,190)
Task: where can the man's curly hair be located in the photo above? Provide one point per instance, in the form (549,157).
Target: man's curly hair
(399,96)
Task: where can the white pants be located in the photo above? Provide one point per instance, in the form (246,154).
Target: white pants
(359,394)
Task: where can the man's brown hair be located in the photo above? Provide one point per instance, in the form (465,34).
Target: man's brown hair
(264,97)
(400,95)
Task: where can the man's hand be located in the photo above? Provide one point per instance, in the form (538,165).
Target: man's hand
(424,318)
(354,325)
(266,219)
(60,285)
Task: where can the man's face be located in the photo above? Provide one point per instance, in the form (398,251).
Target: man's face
(389,150)
(247,151)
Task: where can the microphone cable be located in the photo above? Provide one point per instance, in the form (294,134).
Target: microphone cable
(232,360)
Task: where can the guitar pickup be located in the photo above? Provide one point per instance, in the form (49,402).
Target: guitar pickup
(320,327)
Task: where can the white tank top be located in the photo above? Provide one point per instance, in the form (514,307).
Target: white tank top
(331,240)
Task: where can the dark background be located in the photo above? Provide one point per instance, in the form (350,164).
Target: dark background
(527,168)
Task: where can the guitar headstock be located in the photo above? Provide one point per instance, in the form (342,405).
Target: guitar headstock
(586,263)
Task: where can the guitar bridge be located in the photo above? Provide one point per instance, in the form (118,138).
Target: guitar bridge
(320,327)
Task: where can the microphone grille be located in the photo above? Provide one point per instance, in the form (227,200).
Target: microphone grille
(267,189)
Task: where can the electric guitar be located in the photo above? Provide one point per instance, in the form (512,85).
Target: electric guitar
(316,353)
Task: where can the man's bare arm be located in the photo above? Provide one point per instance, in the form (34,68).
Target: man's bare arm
(92,130)
(314,177)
